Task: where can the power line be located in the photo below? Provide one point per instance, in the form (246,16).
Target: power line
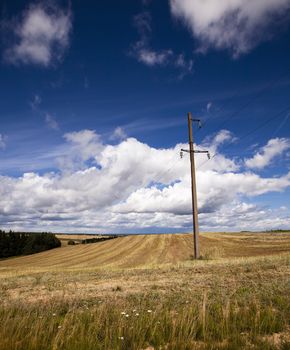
(265,123)
(284,121)
(252,131)
(251,100)
(167,170)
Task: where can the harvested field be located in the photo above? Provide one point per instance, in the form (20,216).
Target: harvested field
(152,250)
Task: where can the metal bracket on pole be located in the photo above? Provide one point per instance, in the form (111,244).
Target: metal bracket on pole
(198,121)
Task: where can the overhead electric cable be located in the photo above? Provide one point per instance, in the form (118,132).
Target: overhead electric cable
(252,131)
(251,100)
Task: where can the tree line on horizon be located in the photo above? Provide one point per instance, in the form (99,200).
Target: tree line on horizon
(25,243)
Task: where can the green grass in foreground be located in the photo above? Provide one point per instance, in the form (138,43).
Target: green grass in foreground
(250,315)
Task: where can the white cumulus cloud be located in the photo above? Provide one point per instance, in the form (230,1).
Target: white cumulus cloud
(82,146)
(235,25)
(131,186)
(41,35)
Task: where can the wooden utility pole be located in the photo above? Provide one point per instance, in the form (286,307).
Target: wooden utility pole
(193,190)
(191,152)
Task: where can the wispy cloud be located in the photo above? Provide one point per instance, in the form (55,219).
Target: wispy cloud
(153,58)
(2,142)
(208,106)
(146,2)
(145,54)
(235,25)
(266,154)
(49,119)
(86,83)
(215,141)
(51,122)
(118,134)
(35,103)
(41,35)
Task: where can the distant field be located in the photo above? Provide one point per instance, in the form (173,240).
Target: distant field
(146,292)
(75,236)
(79,236)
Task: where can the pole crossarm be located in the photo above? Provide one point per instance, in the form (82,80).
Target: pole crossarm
(194,151)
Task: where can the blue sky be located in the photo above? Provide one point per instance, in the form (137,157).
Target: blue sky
(93,114)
